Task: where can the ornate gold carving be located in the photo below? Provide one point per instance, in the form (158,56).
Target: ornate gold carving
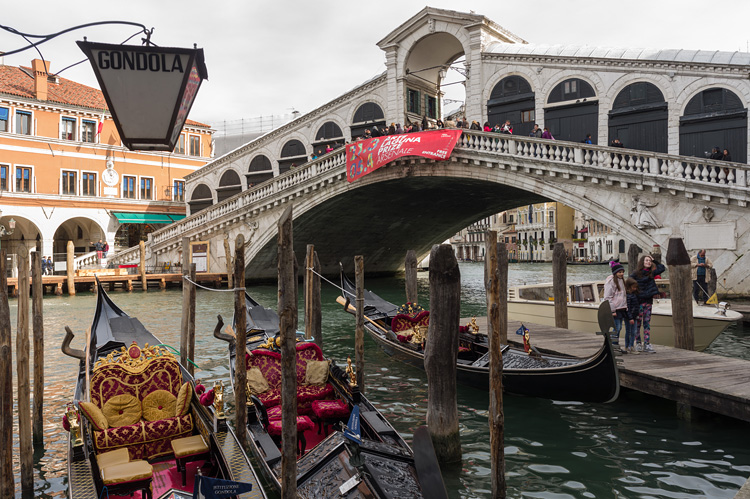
(219,399)
(133,358)
(351,373)
(419,334)
(474,326)
(75,425)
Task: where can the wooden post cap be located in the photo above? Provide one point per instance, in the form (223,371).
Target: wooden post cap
(676,252)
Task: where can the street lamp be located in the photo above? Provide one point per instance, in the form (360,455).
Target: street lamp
(3,230)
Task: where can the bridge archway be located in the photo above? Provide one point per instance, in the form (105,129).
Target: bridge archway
(367,115)
(639,118)
(714,117)
(293,153)
(572,110)
(229,185)
(260,170)
(82,231)
(512,98)
(200,199)
(329,134)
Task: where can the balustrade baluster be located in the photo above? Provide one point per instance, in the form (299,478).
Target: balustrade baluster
(616,162)
(722,176)
(678,169)
(713,175)
(731,178)
(689,170)
(639,164)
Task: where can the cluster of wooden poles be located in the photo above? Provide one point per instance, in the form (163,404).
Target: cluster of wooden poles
(25,408)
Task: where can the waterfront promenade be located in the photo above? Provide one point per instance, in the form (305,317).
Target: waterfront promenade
(710,382)
(56,282)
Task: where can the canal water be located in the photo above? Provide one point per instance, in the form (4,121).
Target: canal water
(635,447)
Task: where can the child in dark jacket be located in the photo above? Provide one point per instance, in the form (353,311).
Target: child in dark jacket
(634,306)
(644,274)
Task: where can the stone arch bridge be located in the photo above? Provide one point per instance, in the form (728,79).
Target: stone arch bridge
(413,203)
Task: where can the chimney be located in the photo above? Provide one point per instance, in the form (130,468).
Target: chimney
(40,78)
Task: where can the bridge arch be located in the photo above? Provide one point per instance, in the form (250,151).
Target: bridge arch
(293,153)
(714,115)
(513,98)
(229,185)
(367,113)
(329,132)
(200,198)
(639,117)
(259,170)
(572,108)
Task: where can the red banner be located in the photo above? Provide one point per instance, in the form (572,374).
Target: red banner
(366,156)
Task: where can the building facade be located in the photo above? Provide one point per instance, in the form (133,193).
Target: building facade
(539,226)
(65,175)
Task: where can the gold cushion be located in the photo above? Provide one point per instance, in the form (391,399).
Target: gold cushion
(122,410)
(316,372)
(189,446)
(126,472)
(183,400)
(113,457)
(159,404)
(255,381)
(94,415)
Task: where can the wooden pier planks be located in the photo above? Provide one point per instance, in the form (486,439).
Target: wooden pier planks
(710,382)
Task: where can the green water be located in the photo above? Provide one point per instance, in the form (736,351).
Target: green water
(635,447)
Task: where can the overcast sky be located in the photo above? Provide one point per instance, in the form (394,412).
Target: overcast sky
(269,57)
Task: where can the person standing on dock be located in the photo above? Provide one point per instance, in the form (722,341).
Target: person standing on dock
(634,306)
(614,293)
(700,267)
(644,274)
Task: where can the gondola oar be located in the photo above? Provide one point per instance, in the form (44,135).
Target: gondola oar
(350,308)
(428,469)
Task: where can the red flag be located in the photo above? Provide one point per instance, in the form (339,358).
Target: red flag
(101,125)
(366,156)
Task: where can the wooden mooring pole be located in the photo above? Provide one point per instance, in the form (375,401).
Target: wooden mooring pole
(441,353)
(359,332)
(287,314)
(37,314)
(681,292)
(185,301)
(633,251)
(7,481)
(240,318)
(71,271)
(142,265)
(191,321)
(313,317)
(559,285)
(410,277)
(317,320)
(229,262)
(496,284)
(22,373)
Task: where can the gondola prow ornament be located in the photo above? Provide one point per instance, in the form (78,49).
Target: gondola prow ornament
(149,90)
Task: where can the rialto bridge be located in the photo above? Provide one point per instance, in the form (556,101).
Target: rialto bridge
(669,108)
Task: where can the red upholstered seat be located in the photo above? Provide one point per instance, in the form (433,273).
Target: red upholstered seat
(303,424)
(330,408)
(274,413)
(404,322)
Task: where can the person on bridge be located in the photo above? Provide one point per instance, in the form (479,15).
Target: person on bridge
(646,269)
(587,140)
(614,293)
(507,128)
(536,132)
(546,134)
(99,248)
(716,153)
(700,268)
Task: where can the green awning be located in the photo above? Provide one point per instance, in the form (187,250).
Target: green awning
(142,218)
(176,218)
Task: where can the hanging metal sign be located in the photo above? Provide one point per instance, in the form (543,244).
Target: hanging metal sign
(149,90)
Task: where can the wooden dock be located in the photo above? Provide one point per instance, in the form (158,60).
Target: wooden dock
(59,283)
(709,382)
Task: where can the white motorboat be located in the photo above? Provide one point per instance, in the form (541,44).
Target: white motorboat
(535,304)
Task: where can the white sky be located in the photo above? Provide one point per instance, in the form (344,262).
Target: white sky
(267,57)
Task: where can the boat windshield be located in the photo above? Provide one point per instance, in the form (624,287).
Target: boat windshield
(543,293)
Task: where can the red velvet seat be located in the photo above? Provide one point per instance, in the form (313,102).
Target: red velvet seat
(303,424)
(328,412)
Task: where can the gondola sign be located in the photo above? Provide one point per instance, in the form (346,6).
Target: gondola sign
(366,156)
(149,90)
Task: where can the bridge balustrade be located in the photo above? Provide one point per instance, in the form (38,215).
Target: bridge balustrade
(596,157)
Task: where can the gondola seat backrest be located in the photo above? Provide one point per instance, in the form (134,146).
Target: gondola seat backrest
(141,395)
(406,322)
(269,364)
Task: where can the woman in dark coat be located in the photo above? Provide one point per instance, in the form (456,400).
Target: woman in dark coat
(646,270)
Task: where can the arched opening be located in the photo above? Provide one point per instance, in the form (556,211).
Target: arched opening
(131,234)
(83,232)
(368,115)
(639,118)
(329,136)
(229,185)
(512,99)
(260,170)
(293,154)
(200,199)
(25,234)
(714,118)
(572,111)
(621,246)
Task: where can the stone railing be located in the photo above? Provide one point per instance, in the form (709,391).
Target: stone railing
(85,260)
(586,156)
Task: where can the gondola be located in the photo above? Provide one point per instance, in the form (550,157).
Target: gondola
(589,379)
(329,463)
(136,422)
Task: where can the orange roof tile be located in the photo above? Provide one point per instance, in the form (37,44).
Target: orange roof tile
(18,81)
